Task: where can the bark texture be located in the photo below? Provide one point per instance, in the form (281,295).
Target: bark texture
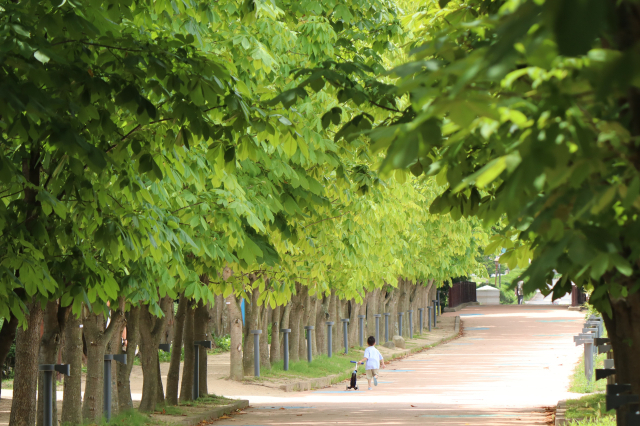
(186,386)
(55,318)
(124,370)
(201,332)
(72,355)
(274,352)
(173,377)
(97,337)
(236,371)
(23,406)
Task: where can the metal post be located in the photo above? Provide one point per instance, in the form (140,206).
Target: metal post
(330,338)
(429,309)
(377,317)
(588,360)
(420,310)
(256,352)
(386,326)
(309,328)
(48,393)
(439,308)
(361,319)
(107,381)
(410,323)
(196,366)
(435,310)
(400,314)
(345,329)
(286,332)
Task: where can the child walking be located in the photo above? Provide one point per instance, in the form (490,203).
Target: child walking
(374,360)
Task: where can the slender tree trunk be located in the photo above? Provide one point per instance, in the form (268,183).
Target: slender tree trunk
(371,310)
(186,386)
(200,332)
(252,317)
(316,305)
(285,323)
(97,337)
(114,347)
(264,338)
(72,355)
(7,337)
(173,377)
(25,383)
(295,323)
(305,299)
(322,316)
(151,331)
(54,322)
(236,371)
(335,318)
(124,370)
(624,335)
(217,319)
(274,353)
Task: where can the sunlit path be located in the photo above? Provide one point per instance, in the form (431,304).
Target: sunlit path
(511,362)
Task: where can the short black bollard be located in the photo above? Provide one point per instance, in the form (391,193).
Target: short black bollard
(196,365)
(256,352)
(400,314)
(345,329)
(420,310)
(386,326)
(330,338)
(435,310)
(309,328)
(410,311)
(48,393)
(122,358)
(377,317)
(285,342)
(361,320)
(429,309)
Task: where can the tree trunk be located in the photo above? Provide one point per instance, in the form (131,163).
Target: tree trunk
(624,335)
(151,331)
(7,337)
(264,338)
(114,347)
(124,371)
(295,322)
(200,332)
(173,376)
(54,322)
(322,316)
(25,383)
(219,308)
(305,299)
(252,316)
(72,355)
(186,386)
(236,371)
(97,337)
(333,317)
(274,353)
(285,323)
(371,310)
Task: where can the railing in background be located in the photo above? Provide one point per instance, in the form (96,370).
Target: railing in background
(462,292)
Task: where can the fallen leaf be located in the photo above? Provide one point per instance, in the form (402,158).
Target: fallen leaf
(413,405)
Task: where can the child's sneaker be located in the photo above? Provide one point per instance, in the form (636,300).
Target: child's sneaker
(375,380)
(369,387)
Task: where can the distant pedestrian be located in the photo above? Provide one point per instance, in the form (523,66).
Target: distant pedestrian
(520,292)
(374,360)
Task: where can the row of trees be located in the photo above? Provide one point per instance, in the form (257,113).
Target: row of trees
(154,151)
(530,112)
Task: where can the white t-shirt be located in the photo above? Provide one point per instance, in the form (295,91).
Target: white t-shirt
(373,357)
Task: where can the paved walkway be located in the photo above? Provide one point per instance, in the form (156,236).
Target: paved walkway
(511,362)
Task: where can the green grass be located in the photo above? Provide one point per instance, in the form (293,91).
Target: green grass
(597,421)
(321,366)
(587,406)
(129,418)
(7,383)
(579,383)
